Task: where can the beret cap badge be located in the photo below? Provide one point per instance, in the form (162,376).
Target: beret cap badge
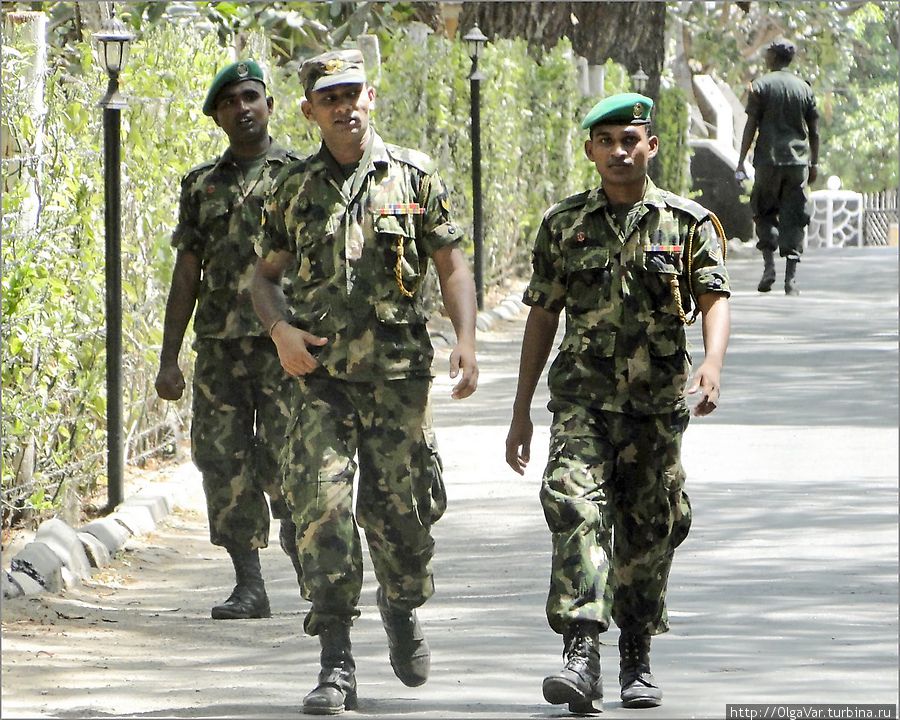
(331,68)
(620,109)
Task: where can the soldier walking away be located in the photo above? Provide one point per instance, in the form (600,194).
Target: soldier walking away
(241,395)
(629,263)
(363,219)
(782,109)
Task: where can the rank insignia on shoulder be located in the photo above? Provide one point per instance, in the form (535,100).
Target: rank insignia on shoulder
(401,209)
(663,248)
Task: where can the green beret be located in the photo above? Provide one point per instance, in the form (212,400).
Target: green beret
(236,72)
(621,109)
(337,67)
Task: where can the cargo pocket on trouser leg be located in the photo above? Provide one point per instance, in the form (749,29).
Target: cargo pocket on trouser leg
(428,485)
(681,522)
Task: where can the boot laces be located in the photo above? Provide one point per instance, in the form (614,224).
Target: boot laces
(578,650)
(634,652)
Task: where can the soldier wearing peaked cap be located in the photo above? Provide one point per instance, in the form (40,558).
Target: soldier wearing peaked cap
(782,116)
(240,406)
(630,264)
(363,218)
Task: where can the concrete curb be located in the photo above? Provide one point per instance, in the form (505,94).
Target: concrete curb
(507,309)
(441,329)
(61,556)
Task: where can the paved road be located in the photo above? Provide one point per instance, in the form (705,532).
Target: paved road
(785,592)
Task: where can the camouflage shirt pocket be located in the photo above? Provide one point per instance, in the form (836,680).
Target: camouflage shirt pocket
(663,272)
(587,272)
(397,243)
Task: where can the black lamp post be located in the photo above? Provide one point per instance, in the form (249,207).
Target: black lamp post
(113,39)
(475,41)
(639,79)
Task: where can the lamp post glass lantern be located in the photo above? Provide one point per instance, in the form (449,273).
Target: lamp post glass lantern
(475,40)
(639,79)
(114,41)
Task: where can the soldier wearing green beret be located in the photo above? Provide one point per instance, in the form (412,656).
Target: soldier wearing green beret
(630,264)
(240,392)
(782,115)
(363,219)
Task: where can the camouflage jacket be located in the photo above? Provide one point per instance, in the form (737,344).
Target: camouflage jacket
(362,248)
(219,215)
(625,295)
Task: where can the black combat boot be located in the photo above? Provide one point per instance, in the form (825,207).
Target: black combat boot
(790,278)
(287,538)
(639,689)
(768,277)
(248,599)
(580,682)
(336,690)
(410,656)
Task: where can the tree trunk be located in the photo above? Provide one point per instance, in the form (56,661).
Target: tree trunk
(630,33)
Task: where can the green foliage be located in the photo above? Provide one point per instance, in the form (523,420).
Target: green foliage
(670,123)
(53,268)
(864,128)
(859,120)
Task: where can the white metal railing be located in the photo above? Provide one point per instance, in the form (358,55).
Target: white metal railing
(836,219)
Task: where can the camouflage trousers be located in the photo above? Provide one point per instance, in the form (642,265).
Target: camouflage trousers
(779,203)
(241,407)
(383,429)
(613,498)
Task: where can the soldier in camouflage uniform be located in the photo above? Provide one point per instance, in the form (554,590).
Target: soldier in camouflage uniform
(782,108)
(240,392)
(626,261)
(362,219)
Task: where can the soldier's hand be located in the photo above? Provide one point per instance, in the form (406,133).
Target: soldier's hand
(518,443)
(170,382)
(463,357)
(295,349)
(707,382)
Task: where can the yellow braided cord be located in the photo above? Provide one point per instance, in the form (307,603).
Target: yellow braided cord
(398,270)
(720,231)
(689,258)
(676,294)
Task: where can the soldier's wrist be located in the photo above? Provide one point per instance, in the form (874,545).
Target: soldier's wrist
(274,324)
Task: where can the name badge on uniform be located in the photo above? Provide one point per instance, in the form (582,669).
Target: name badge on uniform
(401,209)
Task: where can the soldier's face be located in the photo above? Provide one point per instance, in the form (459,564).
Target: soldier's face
(621,153)
(341,111)
(242,111)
